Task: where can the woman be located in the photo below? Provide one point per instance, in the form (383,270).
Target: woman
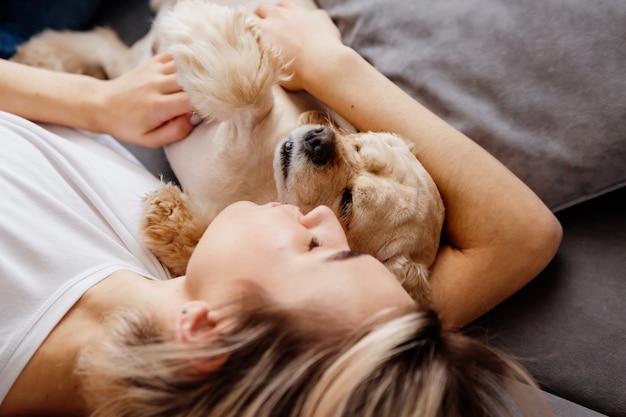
(290,322)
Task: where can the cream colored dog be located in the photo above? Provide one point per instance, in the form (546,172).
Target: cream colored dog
(247,149)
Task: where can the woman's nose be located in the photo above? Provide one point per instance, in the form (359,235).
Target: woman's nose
(320,215)
(326,226)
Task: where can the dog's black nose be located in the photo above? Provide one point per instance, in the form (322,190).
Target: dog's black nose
(319,145)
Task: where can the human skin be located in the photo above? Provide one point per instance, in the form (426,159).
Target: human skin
(145,106)
(498,235)
(298,260)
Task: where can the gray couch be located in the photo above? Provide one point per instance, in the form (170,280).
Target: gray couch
(541,84)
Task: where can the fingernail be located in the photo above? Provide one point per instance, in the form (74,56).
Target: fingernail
(195,119)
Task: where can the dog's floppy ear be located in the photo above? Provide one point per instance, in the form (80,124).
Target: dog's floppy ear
(413,277)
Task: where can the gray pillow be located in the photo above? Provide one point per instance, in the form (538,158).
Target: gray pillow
(539,83)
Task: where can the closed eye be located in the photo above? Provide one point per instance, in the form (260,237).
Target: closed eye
(314,243)
(346,204)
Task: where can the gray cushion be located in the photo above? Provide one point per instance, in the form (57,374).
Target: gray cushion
(540,84)
(563,408)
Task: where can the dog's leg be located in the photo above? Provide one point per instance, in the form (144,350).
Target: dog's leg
(173,223)
(222,61)
(94,53)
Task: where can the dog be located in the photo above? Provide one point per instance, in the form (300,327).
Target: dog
(261,143)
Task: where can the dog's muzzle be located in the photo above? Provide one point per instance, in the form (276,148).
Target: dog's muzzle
(319,145)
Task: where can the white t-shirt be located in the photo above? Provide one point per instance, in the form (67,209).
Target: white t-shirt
(69,217)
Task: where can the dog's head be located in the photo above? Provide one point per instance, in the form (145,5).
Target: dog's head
(385,200)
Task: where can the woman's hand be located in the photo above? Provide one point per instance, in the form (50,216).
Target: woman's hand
(306,38)
(145,106)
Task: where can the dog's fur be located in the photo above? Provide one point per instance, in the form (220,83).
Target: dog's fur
(247,149)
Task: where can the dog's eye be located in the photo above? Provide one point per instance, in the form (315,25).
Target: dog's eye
(314,243)
(346,202)
(357,148)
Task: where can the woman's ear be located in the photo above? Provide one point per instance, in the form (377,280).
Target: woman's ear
(195,322)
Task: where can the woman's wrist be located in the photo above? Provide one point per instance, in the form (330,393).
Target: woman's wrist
(322,72)
(319,76)
(96,109)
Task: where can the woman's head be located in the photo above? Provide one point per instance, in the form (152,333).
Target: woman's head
(276,361)
(297,259)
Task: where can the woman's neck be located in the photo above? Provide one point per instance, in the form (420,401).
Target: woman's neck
(48,385)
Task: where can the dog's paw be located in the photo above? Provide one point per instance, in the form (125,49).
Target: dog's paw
(221,59)
(172,225)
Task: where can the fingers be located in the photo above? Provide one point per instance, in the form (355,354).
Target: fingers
(169,66)
(262,10)
(174,118)
(174,130)
(266,9)
(174,105)
(287,4)
(166,67)
(162,63)
(175,109)
(162,58)
(169,85)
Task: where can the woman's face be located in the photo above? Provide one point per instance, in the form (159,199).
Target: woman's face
(299,260)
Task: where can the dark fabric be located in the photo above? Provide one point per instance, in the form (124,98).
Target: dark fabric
(130,19)
(538,83)
(21,19)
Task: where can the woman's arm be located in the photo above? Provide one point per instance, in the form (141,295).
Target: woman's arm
(498,233)
(144,107)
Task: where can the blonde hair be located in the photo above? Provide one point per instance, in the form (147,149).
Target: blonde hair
(292,363)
